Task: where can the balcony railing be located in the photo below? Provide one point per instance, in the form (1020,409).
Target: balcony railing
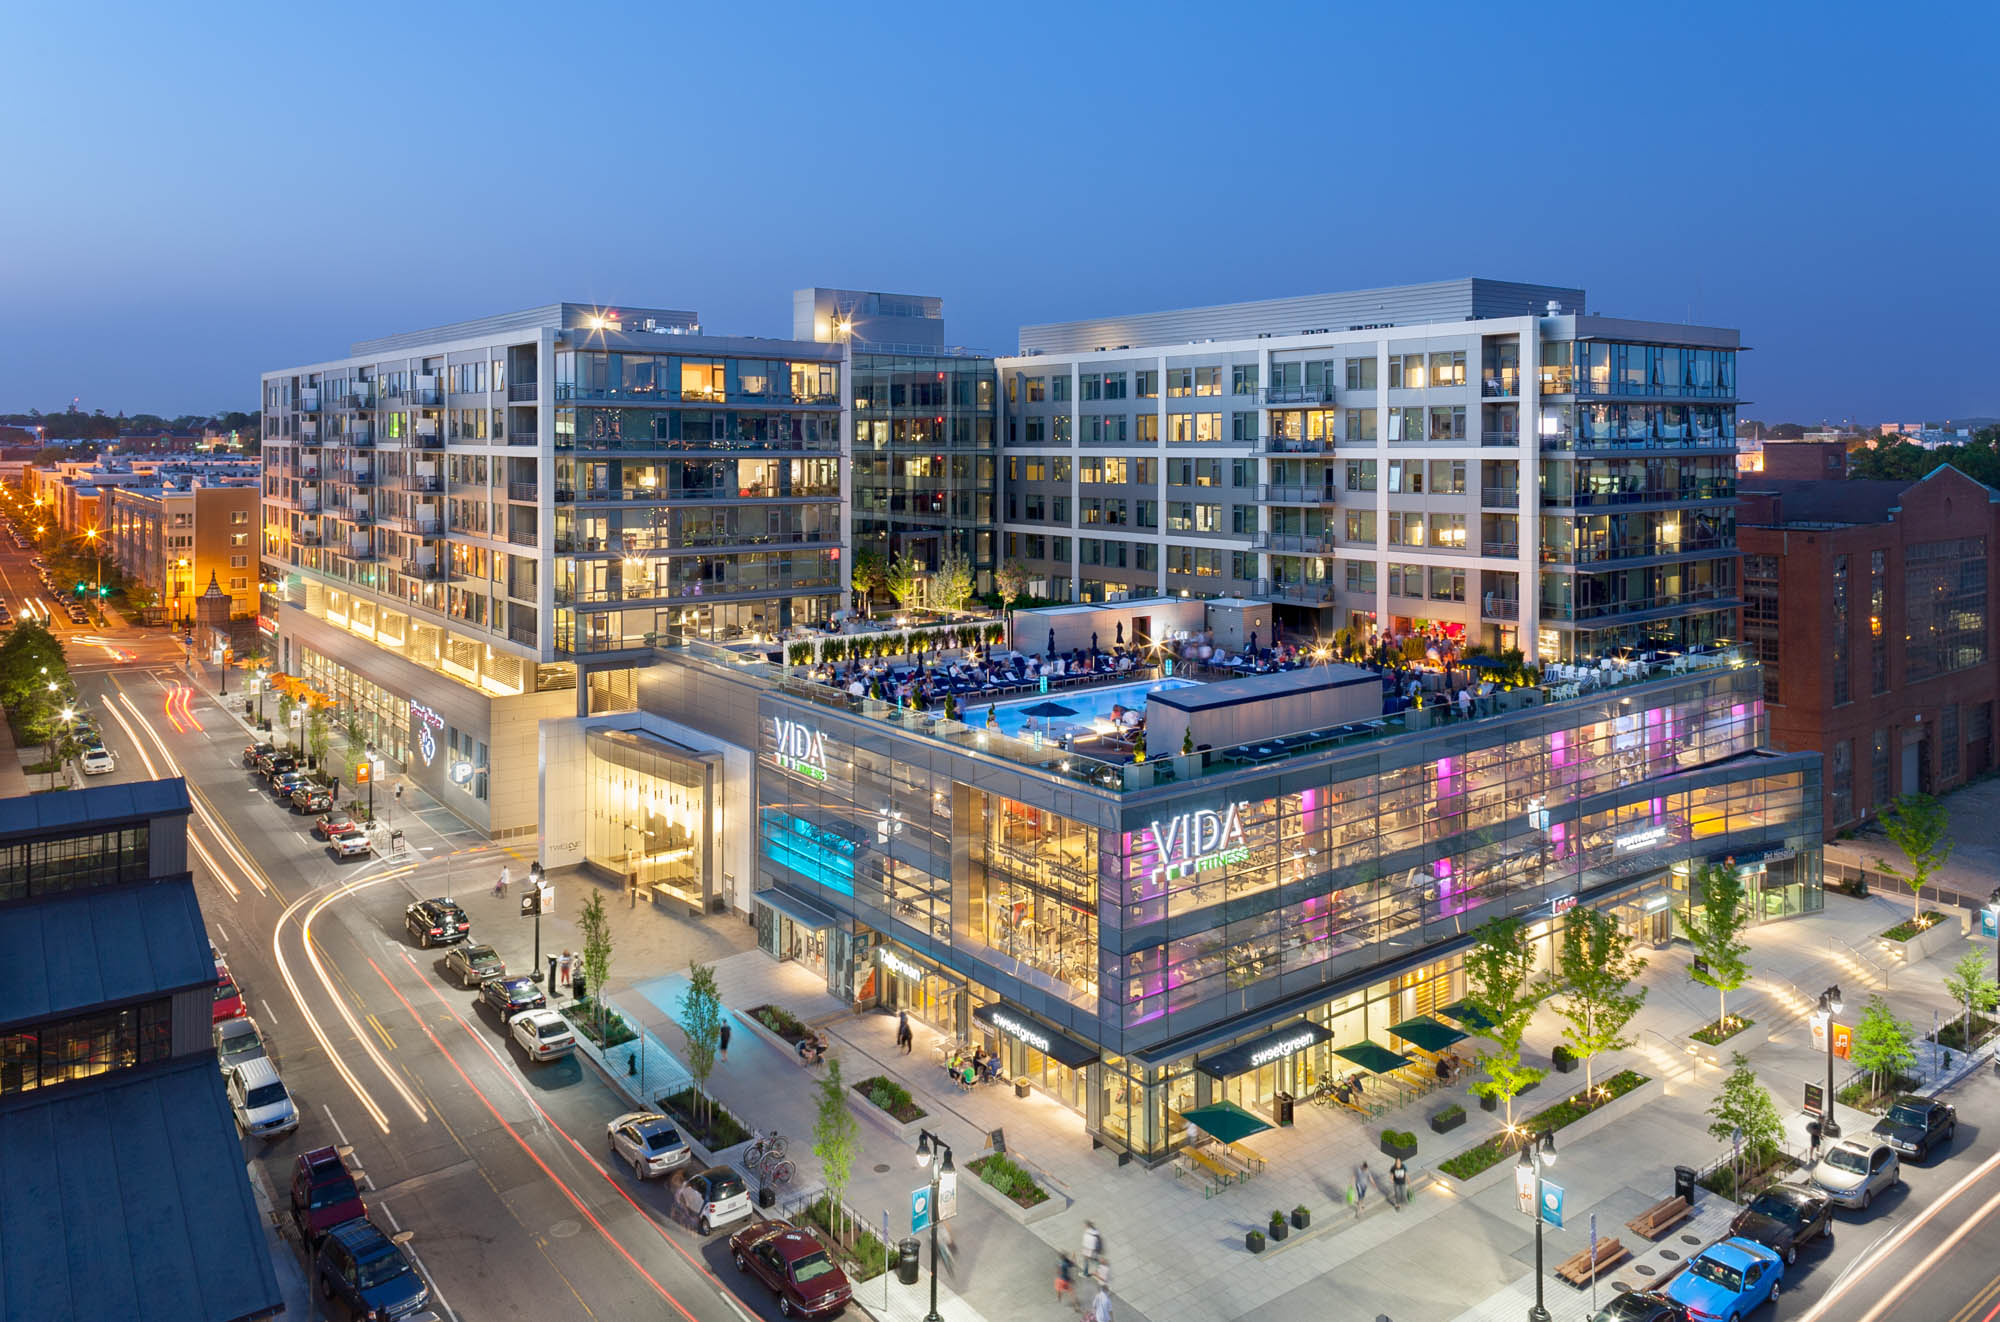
(308,403)
(1500,497)
(306,537)
(522,537)
(522,392)
(357,400)
(422,396)
(521,633)
(1500,548)
(1499,608)
(1290,495)
(1304,594)
(1504,384)
(1311,543)
(775,398)
(308,429)
(1487,436)
(529,492)
(1295,445)
(1298,394)
(425,569)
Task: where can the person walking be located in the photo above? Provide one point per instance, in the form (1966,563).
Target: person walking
(1399,1176)
(1100,1307)
(500,886)
(722,1038)
(1066,1282)
(1093,1247)
(904,1037)
(1100,1278)
(1362,1179)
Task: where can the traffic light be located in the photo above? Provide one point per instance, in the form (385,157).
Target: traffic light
(81,587)
(104,592)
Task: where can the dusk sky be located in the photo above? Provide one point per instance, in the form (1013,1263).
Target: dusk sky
(195,196)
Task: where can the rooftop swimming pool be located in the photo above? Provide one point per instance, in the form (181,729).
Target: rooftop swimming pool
(1090,705)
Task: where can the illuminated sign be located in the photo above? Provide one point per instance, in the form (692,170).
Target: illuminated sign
(461,771)
(897,964)
(1200,841)
(428,724)
(1652,835)
(1006,1023)
(1563,904)
(801,748)
(1283,1047)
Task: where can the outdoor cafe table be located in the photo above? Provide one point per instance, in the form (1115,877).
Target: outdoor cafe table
(1426,1034)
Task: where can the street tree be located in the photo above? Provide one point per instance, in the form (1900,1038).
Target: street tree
(908,581)
(835,1140)
(1970,985)
(950,584)
(593,923)
(868,571)
(1500,985)
(30,660)
(1744,1115)
(1884,1046)
(1595,971)
(1920,825)
(1715,924)
(701,1020)
(317,736)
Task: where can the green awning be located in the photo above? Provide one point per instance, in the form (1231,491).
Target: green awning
(1426,1033)
(1465,1012)
(1226,1122)
(1373,1057)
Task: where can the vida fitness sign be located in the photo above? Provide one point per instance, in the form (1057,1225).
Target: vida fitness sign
(1199,841)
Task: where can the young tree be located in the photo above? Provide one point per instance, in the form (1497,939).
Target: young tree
(594,924)
(1920,826)
(1595,972)
(834,1136)
(908,581)
(951,583)
(1973,987)
(1883,1046)
(317,735)
(868,571)
(1744,1109)
(1715,926)
(701,1020)
(1011,581)
(1499,982)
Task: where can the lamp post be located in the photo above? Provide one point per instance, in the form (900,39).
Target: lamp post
(1829,1006)
(1538,1153)
(536,894)
(369,753)
(927,1144)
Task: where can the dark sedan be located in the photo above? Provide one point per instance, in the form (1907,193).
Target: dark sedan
(1641,1306)
(794,1265)
(510,996)
(1784,1217)
(1917,1126)
(311,798)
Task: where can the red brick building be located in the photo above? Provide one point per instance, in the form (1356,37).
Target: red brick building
(1870,606)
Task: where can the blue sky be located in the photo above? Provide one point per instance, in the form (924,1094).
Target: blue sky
(193,195)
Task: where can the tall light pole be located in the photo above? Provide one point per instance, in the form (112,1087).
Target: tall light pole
(1538,1153)
(927,1143)
(1829,1006)
(534,902)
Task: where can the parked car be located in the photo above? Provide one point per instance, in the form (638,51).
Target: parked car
(1853,1170)
(254,752)
(648,1141)
(369,1272)
(335,824)
(324,1194)
(228,999)
(279,764)
(353,845)
(311,798)
(1727,1279)
(715,1197)
(257,1095)
(265,755)
(437,921)
(1641,1306)
(510,996)
(285,782)
(1914,1126)
(473,964)
(794,1265)
(238,1042)
(543,1034)
(96,761)
(1783,1217)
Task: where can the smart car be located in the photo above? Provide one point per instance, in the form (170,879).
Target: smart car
(714,1197)
(1784,1217)
(1727,1279)
(794,1265)
(1914,1126)
(649,1141)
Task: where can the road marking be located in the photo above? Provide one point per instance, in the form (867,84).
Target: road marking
(272,1016)
(1977,1301)
(435,1289)
(1881,1251)
(390,1042)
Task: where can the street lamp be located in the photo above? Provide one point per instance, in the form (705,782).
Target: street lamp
(368,751)
(928,1142)
(1537,1154)
(534,902)
(1829,1006)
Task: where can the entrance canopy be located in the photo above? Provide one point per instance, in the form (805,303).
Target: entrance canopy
(1057,1046)
(1265,1050)
(1225,1122)
(797,908)
(1374,1058)
(1426,1033)
(1465,1012)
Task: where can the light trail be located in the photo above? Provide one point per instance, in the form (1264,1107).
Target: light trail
(1911,1277)
(361,1094)
(1879,1253)
(224,838)
(340,1002)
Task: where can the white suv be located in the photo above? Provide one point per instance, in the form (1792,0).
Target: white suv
(258,1097)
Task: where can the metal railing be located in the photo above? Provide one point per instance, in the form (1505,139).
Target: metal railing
(523,392)
(1505,384)
(1295,445)
(1500,548)
(529,492)
(1503,497)
(1295,495)
(1299,543)
(308,403)
(1299,593)
(1298,394)
(426,569)
(1500,608)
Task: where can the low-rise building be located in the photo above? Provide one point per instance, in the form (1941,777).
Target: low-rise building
(175,539)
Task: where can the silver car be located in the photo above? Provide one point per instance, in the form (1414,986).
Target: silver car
(648,1141)
(1852,1171)
(238,1042)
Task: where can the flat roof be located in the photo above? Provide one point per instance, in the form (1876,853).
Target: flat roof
(129,1198)
(1261,688)
(70,952)
(70,812)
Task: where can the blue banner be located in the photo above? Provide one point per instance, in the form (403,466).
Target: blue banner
(920,1209)
(1552,1204)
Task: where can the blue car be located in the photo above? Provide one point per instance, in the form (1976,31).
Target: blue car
(1726,1280)
(369,1272)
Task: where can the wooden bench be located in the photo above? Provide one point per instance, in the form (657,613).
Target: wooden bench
(1580,1268)
(1211,1165)
(1661,1217)
(1246,1154)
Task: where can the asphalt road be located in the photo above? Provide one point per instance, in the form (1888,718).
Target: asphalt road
(497,1165)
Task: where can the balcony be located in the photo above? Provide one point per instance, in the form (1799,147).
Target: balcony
(357,399)
(423,525)
(360,548)
(308,403)
(1310,543)
(1298,395)
(1503,384)
(1499,439)
(1504,548)
(360,433)
(522,537)
(422,482)
(521,633)
(1294,445)
(308,501)
(1505,498)
(1558,381)
(422,396)
(1297,593)
(522,392)
(1287,495)
(1499,608)
(430,570)
(308,429)
(306,537)
(531,492)
(426,429)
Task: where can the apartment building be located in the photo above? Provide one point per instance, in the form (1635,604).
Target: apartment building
(1481,456)
(175,539)
(484,524)
(69,494)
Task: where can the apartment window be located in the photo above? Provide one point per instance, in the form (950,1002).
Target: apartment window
(1944,601)
(1243,379)
(1146,385)
(239,516)
(1361,374)
(239,562)
(1059,469)
(239,584)
(1146,556)
(1243,520)
(1361,426)
(1361,527)
(1878,771)
(1878,614)
(1201,561)
(85,1045)
(1448,532)
(1145,472)
(1090,385)
(1208,380)
(1243,565)
(1243,427)
(1207,518)
(1242,472)
(1406,425)
(1361,576)
(1448,369)
(1059,431)
(1037,506)
(1406,476)
(1035,431)
(1059,389)
(1114,385)
(1104,429)
(1406,581)
(1447,477)
(1146,429)
(1037,389)
(1147,515)
(1180,516)
(1406,528)
(1760,616)
(1837,644)
(1361,475)
(1180,382)
(1447,584)
(1088,510)
(1842,782)
(1406,371)
(1447,424)
(1948,742)
(1208,472)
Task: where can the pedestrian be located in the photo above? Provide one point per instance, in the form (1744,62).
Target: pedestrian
(904,1037)
(1813,1132)
(722,1038)
(1093,1246)
(947,1251)
(1362,1179)
(500,886)
(1066,1282)
(1100,1307)
(562,967)
(1399,1174)
(1101,1276)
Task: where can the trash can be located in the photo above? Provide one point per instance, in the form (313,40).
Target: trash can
(1684,1183)
(767,1197)
(906,1260)
(1285,1101)
(1023,1086)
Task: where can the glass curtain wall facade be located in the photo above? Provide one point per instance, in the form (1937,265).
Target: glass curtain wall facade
(649,817)
(695,495)
(926,459)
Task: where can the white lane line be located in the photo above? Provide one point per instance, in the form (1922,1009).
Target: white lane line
(269,1013)
(435,1290)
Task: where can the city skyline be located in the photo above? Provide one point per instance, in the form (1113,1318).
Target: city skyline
(1022,187)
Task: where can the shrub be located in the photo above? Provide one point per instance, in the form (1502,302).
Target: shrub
(1716,1034)
(1401,1138)
(1452,1112)
(1911,928)
(885,1094)
(780,1021)
(866,1256)
(1574,1107)
(718,1131)
(1003,1174)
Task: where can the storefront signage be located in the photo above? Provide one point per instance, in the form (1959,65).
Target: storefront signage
(1562,905)
(428,724)
(1282,1047)
(461,771)
(1007,1023)
(1200,841)
(1815,1100)
(897,964)
(801,748)
(1651,835)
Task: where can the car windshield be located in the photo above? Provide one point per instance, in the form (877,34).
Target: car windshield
(240,1044)
(552,1028)
(1721,1273)
(381,1270)
(269,1094)
(660,1139)
(811,1267)
(724,1186)
(334,1191)
(223,990)
(481,956)
(1908,1115)
(1847,1159)
(1778,1209)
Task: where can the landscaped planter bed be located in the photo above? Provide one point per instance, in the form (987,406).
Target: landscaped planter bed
(1571,1109)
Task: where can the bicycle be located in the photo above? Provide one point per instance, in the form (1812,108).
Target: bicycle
(777,1170)
(765,1147)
